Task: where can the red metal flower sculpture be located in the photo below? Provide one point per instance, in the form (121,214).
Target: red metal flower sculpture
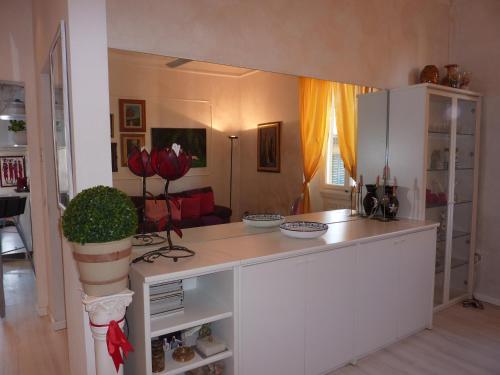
(171,164)
(139,163)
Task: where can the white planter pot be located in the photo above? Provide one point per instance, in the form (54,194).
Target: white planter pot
(19,138)
(103,267)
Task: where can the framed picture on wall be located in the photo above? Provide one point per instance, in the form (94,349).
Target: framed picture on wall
(192,140)
(132,115)
(127,143)
(114,157)
(11,168)
(269,147)
(112,125)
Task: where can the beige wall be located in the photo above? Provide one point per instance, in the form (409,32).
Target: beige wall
(17,64)
(372,42)
(268,97)
(476,47)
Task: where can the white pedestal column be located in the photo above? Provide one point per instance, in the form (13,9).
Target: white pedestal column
(103,310)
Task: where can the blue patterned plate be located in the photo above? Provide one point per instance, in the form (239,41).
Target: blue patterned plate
(303,229)
(263,220)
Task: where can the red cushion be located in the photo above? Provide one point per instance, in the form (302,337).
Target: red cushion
(191,208)
(207,203)
(157,209)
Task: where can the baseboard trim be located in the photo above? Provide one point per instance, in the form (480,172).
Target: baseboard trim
(41,310)
(488,299)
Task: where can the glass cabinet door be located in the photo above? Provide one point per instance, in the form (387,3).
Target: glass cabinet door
(463,191)
(437,200)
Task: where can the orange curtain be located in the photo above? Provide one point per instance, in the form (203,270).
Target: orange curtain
(315,103)
(346,113)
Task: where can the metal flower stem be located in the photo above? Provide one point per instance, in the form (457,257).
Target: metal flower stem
(169,215)
(143,229)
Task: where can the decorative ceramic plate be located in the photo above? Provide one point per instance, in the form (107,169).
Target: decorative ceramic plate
(263,220)
(303,229)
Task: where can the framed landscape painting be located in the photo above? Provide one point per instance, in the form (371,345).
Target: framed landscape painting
(192,140)
(268,147)
(127,143)
(132,115)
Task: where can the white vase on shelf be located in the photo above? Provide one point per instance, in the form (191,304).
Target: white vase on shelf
(18,138)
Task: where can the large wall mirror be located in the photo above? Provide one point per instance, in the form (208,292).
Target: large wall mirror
(60,117)
(182,96)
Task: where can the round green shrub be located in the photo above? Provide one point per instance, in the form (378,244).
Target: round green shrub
(99,214)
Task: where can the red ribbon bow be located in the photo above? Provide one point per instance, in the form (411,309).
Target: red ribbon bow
(115,339)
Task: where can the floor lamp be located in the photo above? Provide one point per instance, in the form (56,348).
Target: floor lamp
(231,138)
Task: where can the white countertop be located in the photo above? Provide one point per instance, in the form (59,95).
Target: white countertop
(224,246)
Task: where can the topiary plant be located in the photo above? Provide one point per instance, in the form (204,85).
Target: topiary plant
(99,214)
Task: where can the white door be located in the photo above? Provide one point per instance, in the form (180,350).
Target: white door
(329,309)
(272,318)
(417,254)
(376,295)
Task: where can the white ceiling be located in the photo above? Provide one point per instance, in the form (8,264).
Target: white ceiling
(192,66)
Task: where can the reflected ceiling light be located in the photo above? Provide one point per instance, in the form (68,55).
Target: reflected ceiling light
(14,110)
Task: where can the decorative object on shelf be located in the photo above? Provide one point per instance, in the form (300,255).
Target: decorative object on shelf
(452,78)
(100,222)
(157,356)
(22,185)
(18,129)
(303,229)
(132,115)
(389,203)
(430,74)
(171,164)
(232,138)
(139,163)
(216,368)
(183,354)
(465,78)
(127,144)
(436,160)
(370,202)
(11,169)
(210,345)
(263,220)
(269,147)
(205,331)
(193,141)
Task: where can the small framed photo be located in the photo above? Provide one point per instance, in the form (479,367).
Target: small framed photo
(11,168)
(132,115)
(127,143)
(112,124)
(114,157)
(269,147)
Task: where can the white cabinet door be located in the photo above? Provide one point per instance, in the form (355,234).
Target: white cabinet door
(417,253)
(272,318)
(376,314)
(329,309)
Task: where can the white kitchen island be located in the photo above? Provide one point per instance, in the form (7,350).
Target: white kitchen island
(292,306)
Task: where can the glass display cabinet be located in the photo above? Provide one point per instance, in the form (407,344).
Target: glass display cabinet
(433,154)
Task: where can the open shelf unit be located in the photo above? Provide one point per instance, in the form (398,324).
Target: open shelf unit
(208,298)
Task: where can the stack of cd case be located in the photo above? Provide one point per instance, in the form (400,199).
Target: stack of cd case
(166,299)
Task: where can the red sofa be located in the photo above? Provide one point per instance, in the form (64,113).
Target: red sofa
(210,213)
